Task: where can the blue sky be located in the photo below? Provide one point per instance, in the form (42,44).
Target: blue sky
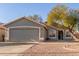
(9,12)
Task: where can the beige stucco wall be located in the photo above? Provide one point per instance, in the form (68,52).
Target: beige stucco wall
(2,32)
(43,34)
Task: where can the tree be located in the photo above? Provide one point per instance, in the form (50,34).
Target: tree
(36,18)
(57,14)
(71,19)
(62,15)
(70,22)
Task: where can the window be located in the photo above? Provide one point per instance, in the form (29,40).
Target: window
(52,33)
(68,34)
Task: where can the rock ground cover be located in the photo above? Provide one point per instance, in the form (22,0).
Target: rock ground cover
(53,48)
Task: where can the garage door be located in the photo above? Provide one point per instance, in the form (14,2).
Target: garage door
(24,35)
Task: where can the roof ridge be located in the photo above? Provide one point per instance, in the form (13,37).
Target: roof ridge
(27,18)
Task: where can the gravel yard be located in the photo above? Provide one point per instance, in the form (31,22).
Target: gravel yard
(53,48)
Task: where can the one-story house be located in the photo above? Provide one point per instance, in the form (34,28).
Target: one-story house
(25,29)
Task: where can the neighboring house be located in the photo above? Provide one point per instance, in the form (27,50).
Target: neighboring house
(2,33)
(25,29)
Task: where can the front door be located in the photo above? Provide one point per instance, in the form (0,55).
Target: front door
(60,35)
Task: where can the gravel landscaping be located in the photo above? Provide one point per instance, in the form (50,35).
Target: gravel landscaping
(53,48)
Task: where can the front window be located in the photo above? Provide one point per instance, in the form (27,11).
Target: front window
(68,34)
(52,33)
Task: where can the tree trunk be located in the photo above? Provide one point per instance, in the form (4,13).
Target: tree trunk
(73,35)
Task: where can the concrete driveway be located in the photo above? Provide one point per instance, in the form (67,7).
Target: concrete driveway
(12,50)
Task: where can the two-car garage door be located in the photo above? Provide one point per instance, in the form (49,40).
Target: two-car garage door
(24,34)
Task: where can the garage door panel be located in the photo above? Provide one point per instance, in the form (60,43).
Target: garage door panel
(24,35)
